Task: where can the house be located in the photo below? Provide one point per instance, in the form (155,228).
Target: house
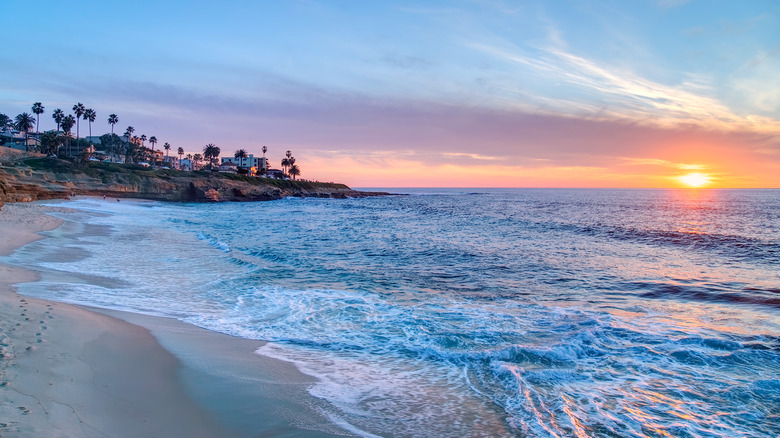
(276,173)
(186,164)
(227,167)
(16,139)
(248,162)
(171,161)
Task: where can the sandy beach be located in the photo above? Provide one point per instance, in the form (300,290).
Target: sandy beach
(68,371)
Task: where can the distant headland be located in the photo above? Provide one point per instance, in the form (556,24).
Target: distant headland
(25,179)
(53,164)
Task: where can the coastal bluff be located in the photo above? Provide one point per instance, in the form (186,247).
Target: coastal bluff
(42,178)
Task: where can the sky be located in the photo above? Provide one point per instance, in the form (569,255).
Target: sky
(460,93)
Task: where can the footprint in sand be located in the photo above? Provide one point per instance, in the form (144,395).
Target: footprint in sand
(24,410)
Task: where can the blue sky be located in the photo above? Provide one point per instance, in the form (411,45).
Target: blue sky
(514,89)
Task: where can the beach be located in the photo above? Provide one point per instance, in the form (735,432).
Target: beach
(70,371)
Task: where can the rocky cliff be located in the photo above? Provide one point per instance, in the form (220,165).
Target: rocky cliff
(51,178)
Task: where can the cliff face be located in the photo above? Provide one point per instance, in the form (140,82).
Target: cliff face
(51,178)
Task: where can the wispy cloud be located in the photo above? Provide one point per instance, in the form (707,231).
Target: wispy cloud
(634,161)
(631,96)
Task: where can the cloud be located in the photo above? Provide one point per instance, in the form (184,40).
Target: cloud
(632,97)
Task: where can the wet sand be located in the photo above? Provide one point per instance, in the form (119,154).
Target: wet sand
(71,371)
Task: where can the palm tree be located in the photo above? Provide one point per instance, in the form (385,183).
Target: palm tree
(129,133)
(294,171)
(197,158)
(143,139)
(167,147)
(264,167)
(285,163)
(211,153)
(50,142)
(288,154)
(181,152)
(58,115)
(25,122)
(67,124)
(78,110)
(90,115)
(241,153)
(153,141)
(113,119)
(37,108)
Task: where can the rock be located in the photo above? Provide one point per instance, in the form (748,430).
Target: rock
(51,178)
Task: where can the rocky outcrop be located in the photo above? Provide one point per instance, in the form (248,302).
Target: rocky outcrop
(51,178)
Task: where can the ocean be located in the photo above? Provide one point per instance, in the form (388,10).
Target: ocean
(466,312)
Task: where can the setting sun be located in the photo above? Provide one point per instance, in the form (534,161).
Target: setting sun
(695,179)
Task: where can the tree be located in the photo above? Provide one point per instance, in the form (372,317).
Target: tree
(153,141)
(67,124)
(25,122)
(197,158)
(78,110)
(129,133)
(51,142)
(5,121)
(181,152)
(286,161)
(58,115)
(241,153)
(167,147)
(37,108)
(294,171)
(211,153)
(142,138)
(112,144)
(89,116)
(113,119)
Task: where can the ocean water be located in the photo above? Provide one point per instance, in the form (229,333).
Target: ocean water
(606,313)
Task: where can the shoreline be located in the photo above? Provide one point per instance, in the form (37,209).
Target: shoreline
(84,371)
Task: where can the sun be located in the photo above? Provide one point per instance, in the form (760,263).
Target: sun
(695,179)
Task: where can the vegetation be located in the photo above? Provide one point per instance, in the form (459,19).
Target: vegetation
(89,116)
(51,142)
(37,109)
(5,121)
(113,119)
(130,149)
(25,122)
(210,154)
(67,124)
(58,115)
(97,169)
(78,110)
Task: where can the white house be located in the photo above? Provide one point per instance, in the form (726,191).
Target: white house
(171,161)
(248,162)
